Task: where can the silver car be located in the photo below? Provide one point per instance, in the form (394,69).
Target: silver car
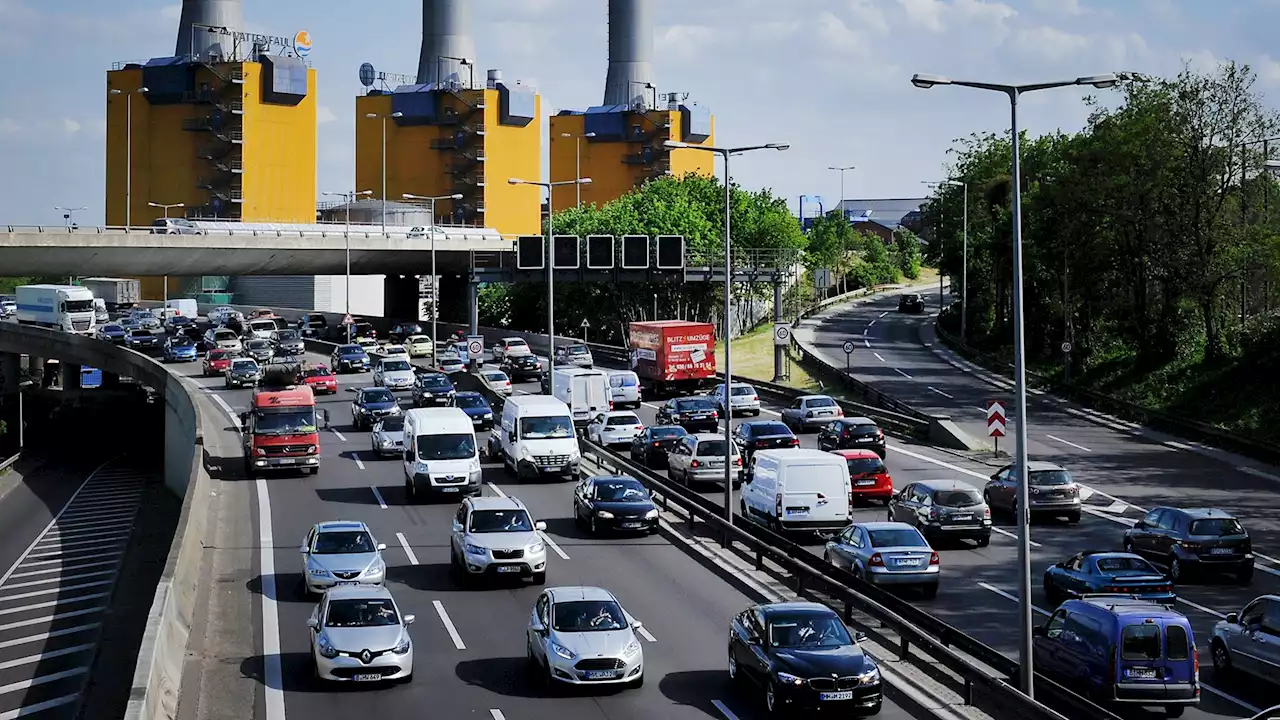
(743,397)
(495,536)
(394,374)
(575,355)
(497,380)
(886,553)
(1246,642)
(811,411)
(359,635)
(340,553)
(614,428)
(699,458)
(582,636)
(451,362)
(223,339)
(242,372)
(387,437)
(1051,490)
(259,349)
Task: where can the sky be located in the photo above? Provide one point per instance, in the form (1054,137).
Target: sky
(830,77)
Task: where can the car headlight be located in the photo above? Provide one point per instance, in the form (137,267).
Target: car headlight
(403,646)
(319,572)
(395,410)
(632,648)
(870,676)
(377,567)
(604,514)
(488,416)
(537,548)
(326,649)
(562,651)
(651,514)
(574,454)
(385,442)
(473,549)
(789,679)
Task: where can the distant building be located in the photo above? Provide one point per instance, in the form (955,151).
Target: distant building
(885,215)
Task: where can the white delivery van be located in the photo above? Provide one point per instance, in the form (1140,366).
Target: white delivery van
(798,489)
(586,392)
(68,308)
(441,456)
(624,388)
(100,314)
(186,307)
(538,438)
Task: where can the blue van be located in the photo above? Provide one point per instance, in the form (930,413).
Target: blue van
(1121,650)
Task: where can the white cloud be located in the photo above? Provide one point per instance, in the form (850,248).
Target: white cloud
(70,126)
(324,115)
(837,36)
(9,126)
(925,13)
(1202,60)
(1051,43)
(171,12)
(685,42)
(867,16)
(937,16)
(1059,7)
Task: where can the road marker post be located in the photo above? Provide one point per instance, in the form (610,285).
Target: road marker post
(996,423)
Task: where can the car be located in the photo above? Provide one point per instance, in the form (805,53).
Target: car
(886,553)
(852,432)
(393,352)
(497,380)
(433,389)
(8,305)
(911,302)
(174,226)
(260,328)
(1106,571)
(262,314)
(743,397)
(216,362)
(372,404)
(522,367)
(313,326)
(394,374)
(320,379)
(451,362)
(287,343)
(221,314)
(476,408)
(494,536)
(113,333)
(1193,541)
(147,321)
(128,324)
(942,509)
(194,332)
(695,414)
(1248,642)
(614,503)
(754,435)
(1051,489)
(142,340)
(699,458)
(358,331)
(869,479)
(583,636)
(349,358)
(401,332)
(242,372)
(370,344)
(358,634)
(179,348)
(341,552)
(420,346)
(651,445)
(614,428)
(177,323)
(624,389)
(575,355)
(804,657)
(510,347)
(223,339)
(810,411)
(386,439)
(259,349)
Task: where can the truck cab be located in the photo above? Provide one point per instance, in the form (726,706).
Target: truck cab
(281,430)
(68,308)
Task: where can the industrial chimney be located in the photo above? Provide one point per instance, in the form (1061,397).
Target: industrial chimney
(446,43)
(206,26)
(630,79)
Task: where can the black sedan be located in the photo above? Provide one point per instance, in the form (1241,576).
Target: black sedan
(695,414)
(651,445)
(614,502)
(112,333)
(804,657)
(522,367)
(911,302)
(402,331)
(756,435)
(142,340)
(852,433)
(1107,571)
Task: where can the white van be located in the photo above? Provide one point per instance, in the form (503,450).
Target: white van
(624,389)
(441,457)
(586,392)
(538,438)
(798,489)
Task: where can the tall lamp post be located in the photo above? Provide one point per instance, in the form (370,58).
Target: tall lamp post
(726,153)
(435,290)
(1013,92)
(166,207)
(842,171)
(68,214)
(128,151)
(578,171)
(383,117)
(350,198)
(551,275)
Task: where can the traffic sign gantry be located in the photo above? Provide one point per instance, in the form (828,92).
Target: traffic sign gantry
(995,419)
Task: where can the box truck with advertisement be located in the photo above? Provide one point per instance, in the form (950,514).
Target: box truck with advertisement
(673,357)
(68,308)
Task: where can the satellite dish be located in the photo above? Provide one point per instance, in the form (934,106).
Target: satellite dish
(367,75)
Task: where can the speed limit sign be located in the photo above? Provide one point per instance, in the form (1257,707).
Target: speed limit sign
(848,347)
(782,334)
(475,345)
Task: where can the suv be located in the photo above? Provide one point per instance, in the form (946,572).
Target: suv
(341,553)
(1051,490)
(911,302)
(695,414)
(699,458)
(574,355)
(433,389)
(1193,540)
(1119,650)
(744,399)
(496,536)
(943,509)
(510,347)
(1249,641)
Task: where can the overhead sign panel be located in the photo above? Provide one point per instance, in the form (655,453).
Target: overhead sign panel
(635,252)
(600,252)
(670,252)
(530,252)
(567,250)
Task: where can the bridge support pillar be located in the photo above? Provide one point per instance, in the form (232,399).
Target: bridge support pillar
(70,376)
(36,367)
(400,297)
(453,298)
(10,373)
(779,352)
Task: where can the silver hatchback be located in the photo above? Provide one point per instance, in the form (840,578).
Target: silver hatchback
(582,636)
(340,553)
(1051,490)
(699,458)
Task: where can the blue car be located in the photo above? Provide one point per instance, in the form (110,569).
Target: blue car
(371,405)
(180,348)
(142,340)
(349,358)
(113,333)
(1098,571)
(476,408)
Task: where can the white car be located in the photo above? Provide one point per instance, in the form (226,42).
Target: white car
(223,339)
(394,374)
(369,344)
(497,380)
(494,536)
(509,347)
(359,635)
(341,552)
(582,636)
(614,428)
(450,362)
(260,328)
(394,351)
(743,397)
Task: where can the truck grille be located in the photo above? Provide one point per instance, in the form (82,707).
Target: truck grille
(286,449)
(551,460)
(507,554)
(80,325)
(448,479)
(600,664)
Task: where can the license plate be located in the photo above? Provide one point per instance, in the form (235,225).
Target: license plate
(865,439)
(841,695)
(346,582)
(449,489)
(508,569)
(601,674)
(909,562)
(1141,673)
(961,517)
(1220,551)
(549,468)
(632,525)
(366,677)
(476,421)
(824,413)
(864,483)
(798,513)
(287,461)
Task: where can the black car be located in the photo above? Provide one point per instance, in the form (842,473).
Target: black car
(522,367)
(113,333)
(756,435)
(804,658)
(852,433)
(1193,541)
(313,326)
(259,349)
(695,414)
(614,502)
(142,340)
(371,405)
(911,302)
(433,389)
(287,343)
(651,445)
(402,331)
(349,358)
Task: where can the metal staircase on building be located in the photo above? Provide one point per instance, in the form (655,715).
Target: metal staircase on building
(222,152)
(464,158)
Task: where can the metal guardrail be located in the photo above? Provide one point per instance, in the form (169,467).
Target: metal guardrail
(337,231)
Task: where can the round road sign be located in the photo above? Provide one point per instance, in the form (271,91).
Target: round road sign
(1066,347)
(475,348)
(848,347)
(782,333)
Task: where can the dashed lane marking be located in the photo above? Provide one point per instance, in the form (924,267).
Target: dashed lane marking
(1055,438)
(945,395)
(407,549)
(879,357)
(448,624)
(1203,609)
(725,711)
(359,462)
(272,670)
(341,437)
(643,632)
(870,324)
(496,490)
(886,312)
(903,374)
(552,544)
(496,714)
(378,496)
(1008,534)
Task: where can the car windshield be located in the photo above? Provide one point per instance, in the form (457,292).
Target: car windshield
(454,446)
(576,350)
(1216,527)
(496,377)
(434,381)
(743,390)
(395,366)
(621,491)
(286,422)
(538,428)
(517,345)
(500,521)
(896,537)
(244,365)
(262,325)
(259,345)
(377,396)
(342,543)
(1050,477)
(393,424)
(361,613)
(820,402)
(1123,564)
(287,336)
(769,428)
(621,420)
(1140,642)
(181,341)
(219,354)
(713,448)
(350,350)
(224,335)
(957,498)
(694,405)
(112,328)
(394,350)
(808,630)
(667,432)
(316,371)
(471,401)
(588,616)
(866,466)
(622,381)
(417,339)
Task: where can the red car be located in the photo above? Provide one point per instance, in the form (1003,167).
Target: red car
(320,379)
(216,362)
(868,477)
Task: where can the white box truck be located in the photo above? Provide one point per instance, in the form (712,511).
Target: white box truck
(68,308)
(586,392)
(117,293)
(186,307)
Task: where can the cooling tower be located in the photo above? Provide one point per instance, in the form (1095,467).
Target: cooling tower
(630,77)
(205,25)
(446,40)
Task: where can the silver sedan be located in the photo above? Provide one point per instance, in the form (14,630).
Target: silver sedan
(886,553)
(387,437)
(341,552)
(359,635)
(582,636)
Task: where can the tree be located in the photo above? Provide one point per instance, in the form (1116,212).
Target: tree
(907,253)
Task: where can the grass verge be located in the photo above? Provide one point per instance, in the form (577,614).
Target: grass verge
(753,358)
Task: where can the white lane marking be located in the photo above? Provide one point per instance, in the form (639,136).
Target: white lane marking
(1268,558)
(1008,534)
(1067,442)
(945,395)
(1115,508)
(726,712)
(50,618)
(886,312)
(72,539)
(1009,596)
(873,322)
(866,342)
(52,634)
(359,462)
(865,330)
(407,550)
(448,624)
(496,490)
(341,437)
(496,714)
(1251,708)
(552,544)
(61,569)
(79,559)
(39,707)
(231,412)
(643,632)
(1203,609)
(378,495)
(878,357)
(274,685)
(64,578)
(48,591)
(18,662)
(903,374)
(1086,493)
(1257,473)
(41,680)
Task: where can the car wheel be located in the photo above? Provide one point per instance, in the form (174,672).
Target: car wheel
(1221,659)
(984,541)
(771,700)
(540,578)
(1175,568)
(734,676)
(1174,711)
(1073,518)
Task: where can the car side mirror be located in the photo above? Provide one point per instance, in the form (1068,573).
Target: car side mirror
(1039,631)
(1140,525)
(302,549)
(1232,618)
(381,547)
(540,526)
(457,526)
(313,623)
(408,619)
(859,637)
(244,418)
(636,624)
(537,626)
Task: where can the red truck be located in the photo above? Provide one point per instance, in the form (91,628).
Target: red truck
(281,430)
(673,356)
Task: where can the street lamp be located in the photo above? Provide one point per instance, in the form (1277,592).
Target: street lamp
(551,275)
(435,290)
(964,261)
(166,208)
(68,212)
(128,151)
(726,153)
(842,171)
(1025,608)
(578,172)
(375,116)
(350,198)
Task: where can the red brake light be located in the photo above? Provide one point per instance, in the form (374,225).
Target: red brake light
(934,559)
(657,444)
(715,414)
(695,464)
(738,461)
(795,442)
(876,560)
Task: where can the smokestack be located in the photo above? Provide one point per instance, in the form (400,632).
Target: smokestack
(446,37)
(630,79)
(204,27)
